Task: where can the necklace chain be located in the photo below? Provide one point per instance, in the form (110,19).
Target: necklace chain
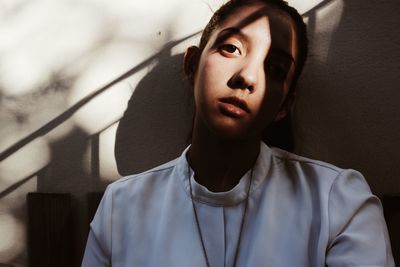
(198,223)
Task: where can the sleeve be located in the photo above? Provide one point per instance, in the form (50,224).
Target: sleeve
(98,246)
(357,229)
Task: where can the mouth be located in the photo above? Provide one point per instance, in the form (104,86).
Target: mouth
(233,106)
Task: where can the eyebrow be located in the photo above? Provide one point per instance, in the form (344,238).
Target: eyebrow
(228,32)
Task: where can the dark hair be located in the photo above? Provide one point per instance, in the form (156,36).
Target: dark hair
(302,42)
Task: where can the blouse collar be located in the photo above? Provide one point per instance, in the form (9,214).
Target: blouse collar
(228,198)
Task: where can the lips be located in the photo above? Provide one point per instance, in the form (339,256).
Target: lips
(233,106)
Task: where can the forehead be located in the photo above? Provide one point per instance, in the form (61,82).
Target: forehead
(280,27)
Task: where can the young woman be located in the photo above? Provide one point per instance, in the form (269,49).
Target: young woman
(230,200)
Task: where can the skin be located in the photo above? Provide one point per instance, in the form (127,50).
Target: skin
(241,80)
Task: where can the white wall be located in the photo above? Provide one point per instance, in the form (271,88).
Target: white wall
(53,53)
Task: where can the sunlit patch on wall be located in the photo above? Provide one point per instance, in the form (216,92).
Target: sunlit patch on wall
(153,9)
(87,160)
(60,131)
(328,19)
(8,6)
(108,166)
(45,38)
(182,46)
(198,13)
(13,212)
(12,241)
(15,199)
(304,6)
(107,107)
(29,159)
(12,223)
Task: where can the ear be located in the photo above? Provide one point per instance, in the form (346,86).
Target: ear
(191,61)
(286,107)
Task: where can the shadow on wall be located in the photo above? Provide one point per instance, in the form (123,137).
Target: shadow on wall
(354,118)
(157,123)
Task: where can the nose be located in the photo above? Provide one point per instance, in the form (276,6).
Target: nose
(244,78)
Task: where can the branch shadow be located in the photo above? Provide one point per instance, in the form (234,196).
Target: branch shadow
(157,122)
(21,182)
(68,113)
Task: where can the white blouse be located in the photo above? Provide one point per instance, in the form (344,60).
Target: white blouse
(300,212)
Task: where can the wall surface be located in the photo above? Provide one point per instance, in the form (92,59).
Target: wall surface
(55,56)
(348,111)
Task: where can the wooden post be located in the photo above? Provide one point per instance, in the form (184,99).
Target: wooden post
(49,230)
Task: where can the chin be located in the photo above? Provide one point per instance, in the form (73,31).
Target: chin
(229,129)
(229,133)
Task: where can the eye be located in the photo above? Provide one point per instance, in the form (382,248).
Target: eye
(230,49)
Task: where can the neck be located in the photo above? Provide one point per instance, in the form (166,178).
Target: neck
(220,163)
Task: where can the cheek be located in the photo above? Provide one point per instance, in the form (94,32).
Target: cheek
(210,77)
(202,94)
(278,90)
(274,93)
(270,104)
(215,69)
(271,101)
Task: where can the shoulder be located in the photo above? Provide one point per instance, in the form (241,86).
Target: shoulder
(283,156)
(354,216)
(333,182)
(151,175)
(301,167)
(145,186)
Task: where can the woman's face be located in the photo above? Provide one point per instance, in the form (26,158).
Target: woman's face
(245,71)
